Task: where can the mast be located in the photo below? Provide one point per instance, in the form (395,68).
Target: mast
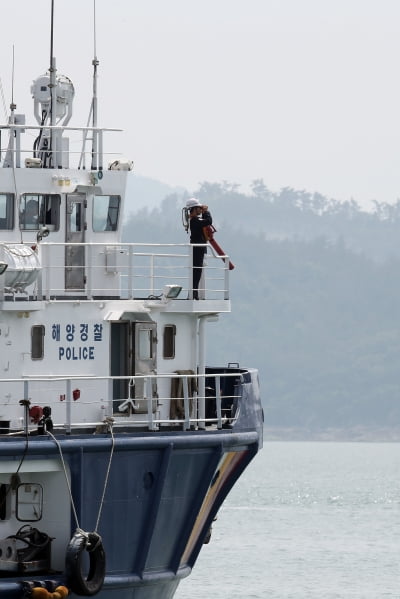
(53,91)
(13,106)
(95,63)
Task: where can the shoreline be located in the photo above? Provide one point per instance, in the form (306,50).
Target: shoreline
(351,434)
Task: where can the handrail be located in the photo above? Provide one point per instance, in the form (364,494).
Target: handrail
(57,127)
(125,270)
(189,420)
(14,151)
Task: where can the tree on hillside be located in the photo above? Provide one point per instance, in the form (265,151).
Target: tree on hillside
(319,320)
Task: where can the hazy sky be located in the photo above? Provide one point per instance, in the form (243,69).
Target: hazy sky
(301,93)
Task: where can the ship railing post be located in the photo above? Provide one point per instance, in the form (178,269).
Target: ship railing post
(131,294)
(202,283)
(201,393)
(190,277)
(148,395)
(218,400)
(226,278)
(151,291)
(45,254)
(18,148)
(68,406)
(59,152)
(186,403)
(2,278)
(11,147)
(39,290)
(201,406)
(26,398)
(82,158)
(89,271)
(100,137)
(110,395)
(195,406)
(95,153)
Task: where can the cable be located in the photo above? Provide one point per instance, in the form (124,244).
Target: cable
(66,478)
(109,421)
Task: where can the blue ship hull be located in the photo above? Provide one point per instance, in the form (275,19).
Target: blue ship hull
(163,493)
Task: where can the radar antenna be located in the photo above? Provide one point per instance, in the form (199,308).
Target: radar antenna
(52,95)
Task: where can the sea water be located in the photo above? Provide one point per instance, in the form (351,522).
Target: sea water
(311,520)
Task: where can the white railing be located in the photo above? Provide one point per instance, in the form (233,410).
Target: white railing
(81,399)
(80,137)
(124,270)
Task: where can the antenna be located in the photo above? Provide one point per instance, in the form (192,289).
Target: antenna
(12,105)
(94,28)
(95,63)
(52,33)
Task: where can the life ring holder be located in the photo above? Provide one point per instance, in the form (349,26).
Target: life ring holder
(79,583)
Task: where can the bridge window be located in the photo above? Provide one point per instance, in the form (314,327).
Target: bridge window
(39,210)
(37,342)
(105,213)
(6,211)
(169,341)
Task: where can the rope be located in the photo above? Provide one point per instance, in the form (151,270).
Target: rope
(66,478)
(109,421)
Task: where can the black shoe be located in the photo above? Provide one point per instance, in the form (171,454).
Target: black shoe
(195,295)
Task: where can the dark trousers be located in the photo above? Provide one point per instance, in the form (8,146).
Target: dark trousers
(198,258)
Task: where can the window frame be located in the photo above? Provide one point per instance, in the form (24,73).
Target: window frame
(169,343)
(8,218)
(48,205)
(100,223)
(37,342)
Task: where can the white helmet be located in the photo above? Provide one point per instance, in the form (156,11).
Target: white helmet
(192,203)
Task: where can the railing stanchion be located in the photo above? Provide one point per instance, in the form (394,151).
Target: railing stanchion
(186,403)
(110,407)
(89,281)
(190,281)
(100,138)
(218,401)
(26,398)
(148,394)
(131,293)
(68,406)
(46,262)
(226,278)
(152,274)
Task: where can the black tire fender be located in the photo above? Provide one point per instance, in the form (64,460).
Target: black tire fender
(79,583)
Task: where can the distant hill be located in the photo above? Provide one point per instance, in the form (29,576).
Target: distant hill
(286,214)
(144,192)
(315,295)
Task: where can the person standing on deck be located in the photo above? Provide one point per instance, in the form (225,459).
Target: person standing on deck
(199,217)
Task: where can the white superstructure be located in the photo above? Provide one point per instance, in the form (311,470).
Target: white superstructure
(136,328)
